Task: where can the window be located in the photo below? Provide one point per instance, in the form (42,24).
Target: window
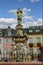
(31,50)
(0,33)
(38,40)
(6,40)
(30,30)
(39,51)
(9,33)
(30,40)
(0,51)
(0,41)
(37,30)
(6,51)
(12,41)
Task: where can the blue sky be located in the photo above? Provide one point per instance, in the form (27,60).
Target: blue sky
(32,11)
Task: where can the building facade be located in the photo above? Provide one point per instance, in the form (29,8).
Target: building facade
(35,38)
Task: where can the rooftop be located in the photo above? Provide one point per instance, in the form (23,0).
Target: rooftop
(11,32)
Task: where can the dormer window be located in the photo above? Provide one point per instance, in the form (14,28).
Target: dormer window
(0,40)
(37,30)
(30,30)
(9,33)
(0,33)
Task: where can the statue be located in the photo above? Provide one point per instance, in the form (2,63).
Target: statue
(19,33)
(19,13)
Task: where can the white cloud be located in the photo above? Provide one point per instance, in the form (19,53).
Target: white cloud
(8,20)
(39,22)
(25,11)
(5,22)
(34,1)
(30,0)
(26,17)
(26,24)
(13,26)
(25,14)
(27,20)
(4,26)
(12,11)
